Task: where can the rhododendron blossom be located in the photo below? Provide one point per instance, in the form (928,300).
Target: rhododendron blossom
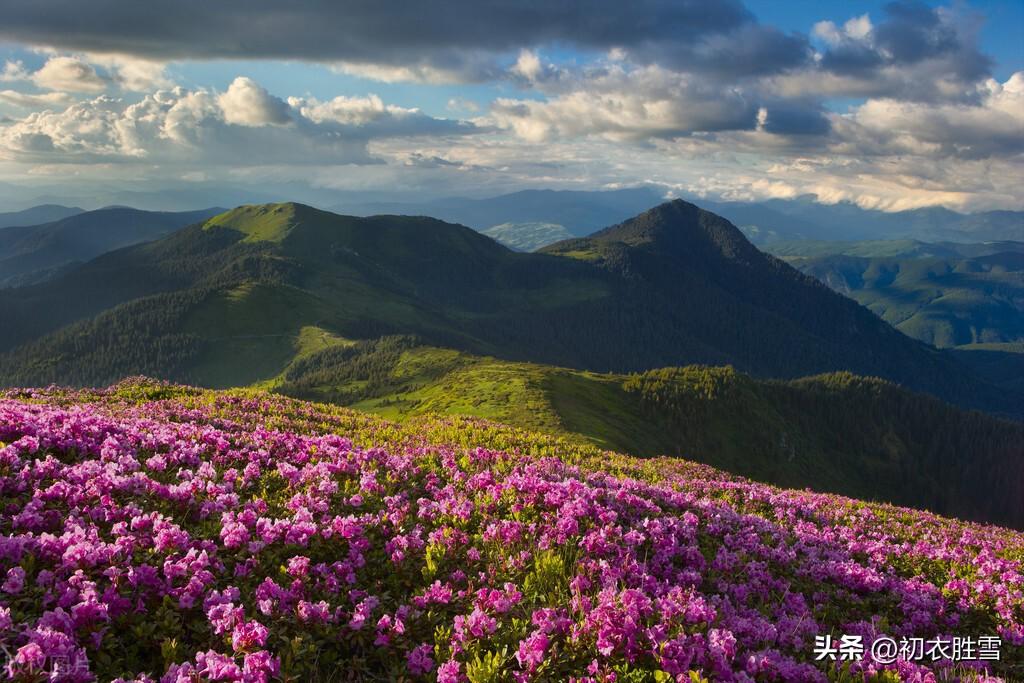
(159,533)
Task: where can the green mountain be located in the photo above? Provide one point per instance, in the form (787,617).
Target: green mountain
(33,253)
(945,302)
(837,432)
(223,303)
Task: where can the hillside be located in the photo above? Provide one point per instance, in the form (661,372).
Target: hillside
(946,302)
(839,433)
(34,253)
(222,303)
(191,532)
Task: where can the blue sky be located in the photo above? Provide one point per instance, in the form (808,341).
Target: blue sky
(890,105)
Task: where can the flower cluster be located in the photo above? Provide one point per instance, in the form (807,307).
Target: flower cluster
(162,533)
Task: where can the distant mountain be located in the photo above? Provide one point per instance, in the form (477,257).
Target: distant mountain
(225,303)
(578,212)
(942,301)
(527,236)
(806,219)
(903,249)
(836,432)
(35,253)
(44,213)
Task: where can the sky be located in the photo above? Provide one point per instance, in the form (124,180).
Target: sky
(891,105)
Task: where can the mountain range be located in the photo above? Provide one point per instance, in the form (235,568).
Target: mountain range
(220,303)
(764,222)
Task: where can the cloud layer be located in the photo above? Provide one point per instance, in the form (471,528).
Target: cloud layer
(243,125)
(891,109)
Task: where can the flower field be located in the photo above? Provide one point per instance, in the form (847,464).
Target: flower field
(155,532)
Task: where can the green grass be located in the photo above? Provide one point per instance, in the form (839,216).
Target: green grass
(263,223)
(256,327)
(842,433)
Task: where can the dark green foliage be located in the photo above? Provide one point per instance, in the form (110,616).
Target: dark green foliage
(946,302)
(141,337)
(368,363)
(840,432)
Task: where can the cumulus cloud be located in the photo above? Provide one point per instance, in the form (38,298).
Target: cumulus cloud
(68,74)
(375,119)
(243,126)
(992,128)
(247,103)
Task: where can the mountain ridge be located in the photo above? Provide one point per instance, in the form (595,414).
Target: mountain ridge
(595,303)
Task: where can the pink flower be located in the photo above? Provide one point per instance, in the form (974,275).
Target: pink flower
(260,667)
(449,672)
(217,667)
(477,625)
(247,636)
(29,656)
(532,650)
(298,566)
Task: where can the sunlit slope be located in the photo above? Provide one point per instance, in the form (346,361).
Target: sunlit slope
(838,432)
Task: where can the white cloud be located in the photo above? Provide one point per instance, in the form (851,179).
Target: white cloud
(375,118)
(31,101)
(468,67)
(347,110)
(621,103)
(855,29)
(992,128)
(243,126)
(68,74)
(132,73)
(13,71)
(246,103)
(528,65)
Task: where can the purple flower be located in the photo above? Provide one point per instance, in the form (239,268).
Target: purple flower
(420,660)
(15,580)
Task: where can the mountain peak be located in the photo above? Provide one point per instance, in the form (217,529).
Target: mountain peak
(678,224)
(261,222)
